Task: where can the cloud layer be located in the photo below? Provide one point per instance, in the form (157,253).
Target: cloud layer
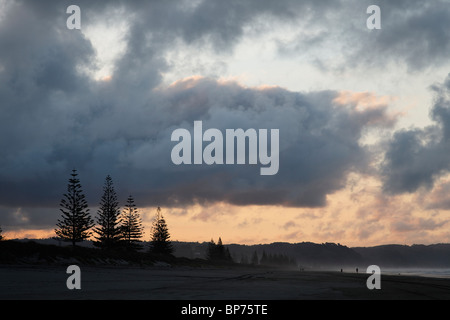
(416,157)
(56,117)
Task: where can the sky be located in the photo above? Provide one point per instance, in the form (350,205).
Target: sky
(363,116)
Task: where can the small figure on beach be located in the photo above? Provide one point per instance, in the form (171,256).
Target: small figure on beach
(356,270)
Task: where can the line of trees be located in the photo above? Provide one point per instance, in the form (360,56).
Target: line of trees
(114,229)
(268,259)
(276,259)
(218,252)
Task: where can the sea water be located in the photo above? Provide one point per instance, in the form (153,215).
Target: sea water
(422,272)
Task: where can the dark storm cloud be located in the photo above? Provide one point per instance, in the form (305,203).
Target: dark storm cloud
(319,145)
(413,33)
(416,33)
(38,76)
(417,157)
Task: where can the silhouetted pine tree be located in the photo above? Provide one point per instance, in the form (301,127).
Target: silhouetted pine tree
(132,230)
(264,258)
(227,255)
(108,229)
(76,220)
(1,235)
(160,243)
(211,250)
(220,249)
(255,260)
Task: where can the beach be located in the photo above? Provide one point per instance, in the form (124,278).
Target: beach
(33,282)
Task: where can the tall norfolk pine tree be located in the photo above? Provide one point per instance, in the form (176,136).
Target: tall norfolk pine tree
(160,243)
(132,230)
(108,229)
(76,220)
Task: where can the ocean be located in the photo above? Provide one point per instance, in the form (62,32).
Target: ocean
(422,272)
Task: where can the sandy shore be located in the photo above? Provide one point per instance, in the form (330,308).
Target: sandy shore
(48,283)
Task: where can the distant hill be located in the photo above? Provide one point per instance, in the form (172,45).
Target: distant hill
(430,256)
(335,256)
(306,255)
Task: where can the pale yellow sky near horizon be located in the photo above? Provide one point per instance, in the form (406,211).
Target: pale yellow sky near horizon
(358,215)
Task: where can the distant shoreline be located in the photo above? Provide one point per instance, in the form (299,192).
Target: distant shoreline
(440,273)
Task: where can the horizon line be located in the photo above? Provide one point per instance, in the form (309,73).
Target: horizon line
(258,244)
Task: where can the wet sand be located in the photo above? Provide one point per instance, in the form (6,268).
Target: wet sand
(127,283)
